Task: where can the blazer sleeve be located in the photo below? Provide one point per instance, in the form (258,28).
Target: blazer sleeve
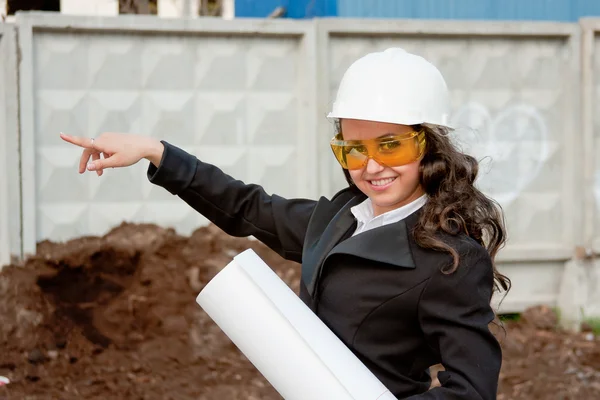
(454,314)
(237,208)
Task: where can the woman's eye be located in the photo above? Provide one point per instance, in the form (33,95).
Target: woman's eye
(388,146)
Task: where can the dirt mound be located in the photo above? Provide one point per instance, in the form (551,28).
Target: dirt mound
(544,362)
(116,317)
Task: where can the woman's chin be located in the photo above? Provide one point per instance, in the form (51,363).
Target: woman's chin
(389,200)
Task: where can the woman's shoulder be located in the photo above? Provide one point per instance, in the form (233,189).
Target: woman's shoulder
(465,245)
(468,250)
(472,270)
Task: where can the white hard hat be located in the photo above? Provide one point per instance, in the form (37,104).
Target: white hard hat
(393,86)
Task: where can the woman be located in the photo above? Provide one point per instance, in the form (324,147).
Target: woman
(399,264)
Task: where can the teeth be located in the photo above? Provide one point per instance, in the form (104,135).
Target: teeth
(382,182)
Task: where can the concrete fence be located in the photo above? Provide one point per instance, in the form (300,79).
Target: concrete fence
(252,97)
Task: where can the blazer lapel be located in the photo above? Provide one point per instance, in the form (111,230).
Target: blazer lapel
(336,229)
(387,244)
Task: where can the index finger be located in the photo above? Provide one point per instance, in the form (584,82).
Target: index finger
(77,140)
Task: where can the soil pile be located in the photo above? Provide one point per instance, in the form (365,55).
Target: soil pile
(116,317)
(543,362)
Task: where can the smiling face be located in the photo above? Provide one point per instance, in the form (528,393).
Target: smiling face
(387,187)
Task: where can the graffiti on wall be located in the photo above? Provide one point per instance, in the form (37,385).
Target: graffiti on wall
(511,145)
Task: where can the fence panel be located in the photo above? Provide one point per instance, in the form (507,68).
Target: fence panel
(515,89)
(10,201)
(238,94)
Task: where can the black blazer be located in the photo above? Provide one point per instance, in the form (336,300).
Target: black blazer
(383,295)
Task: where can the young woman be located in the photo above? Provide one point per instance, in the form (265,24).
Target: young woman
(400,265)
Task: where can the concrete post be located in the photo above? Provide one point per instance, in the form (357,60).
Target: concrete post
(4,211)
(572,295)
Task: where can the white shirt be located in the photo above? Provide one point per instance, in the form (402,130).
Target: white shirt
(363,213)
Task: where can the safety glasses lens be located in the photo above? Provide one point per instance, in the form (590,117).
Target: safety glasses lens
(392,152)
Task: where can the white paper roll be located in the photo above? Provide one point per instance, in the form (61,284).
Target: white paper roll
(293,349)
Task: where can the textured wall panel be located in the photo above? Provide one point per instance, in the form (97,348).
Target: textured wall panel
(514,94)
(533,283)
(234,102)
(512,106)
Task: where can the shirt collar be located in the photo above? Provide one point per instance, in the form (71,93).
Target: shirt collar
(363,212)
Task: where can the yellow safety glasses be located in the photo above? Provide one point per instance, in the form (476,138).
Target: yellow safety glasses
(390,151)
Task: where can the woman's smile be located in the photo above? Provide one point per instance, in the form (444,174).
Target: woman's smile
(381,184)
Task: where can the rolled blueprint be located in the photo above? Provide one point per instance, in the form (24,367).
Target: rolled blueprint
(290,346)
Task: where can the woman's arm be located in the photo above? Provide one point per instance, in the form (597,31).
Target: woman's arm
(454,314)
(237,208)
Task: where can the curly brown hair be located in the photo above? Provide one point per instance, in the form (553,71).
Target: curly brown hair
(455,205)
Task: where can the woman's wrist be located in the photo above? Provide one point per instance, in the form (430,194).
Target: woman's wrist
(155,152)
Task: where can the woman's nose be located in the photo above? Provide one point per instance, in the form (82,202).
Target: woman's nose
(373,167)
